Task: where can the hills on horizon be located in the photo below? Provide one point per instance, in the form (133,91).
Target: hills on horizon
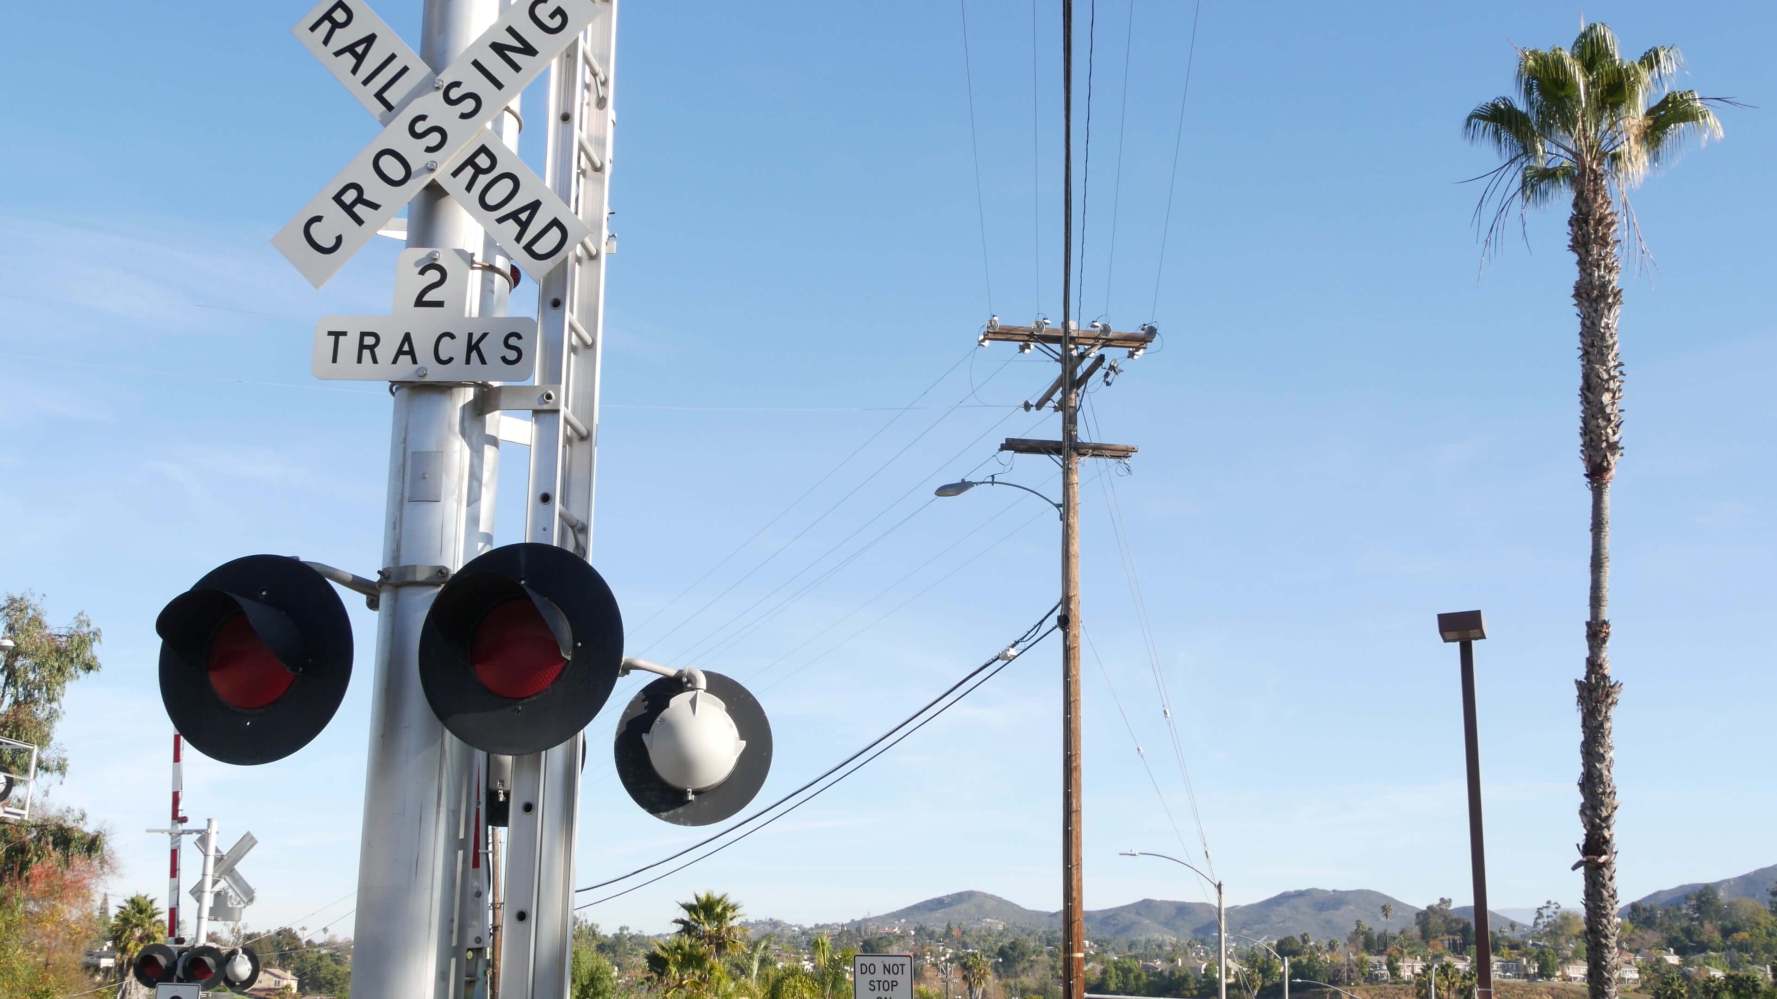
(1321,913)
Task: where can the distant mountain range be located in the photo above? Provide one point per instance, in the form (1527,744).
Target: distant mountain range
(1319,912)
(1316,911)
(1754,885)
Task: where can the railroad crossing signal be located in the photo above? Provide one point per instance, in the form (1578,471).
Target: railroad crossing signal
(254,658)
(180,971)
(230,892)
(521,649)
(437,135)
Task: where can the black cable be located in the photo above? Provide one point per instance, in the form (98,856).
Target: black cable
(975,150)
(1177,140)
(1086,180)
(828,511)
(923,723)
(830,770)
(785,511)
(1110,264)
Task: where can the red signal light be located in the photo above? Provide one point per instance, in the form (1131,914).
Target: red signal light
(514,654)
(243,670)
(152,968)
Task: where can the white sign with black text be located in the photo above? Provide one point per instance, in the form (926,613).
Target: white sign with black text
(424,348)
(882,976)
(423,137)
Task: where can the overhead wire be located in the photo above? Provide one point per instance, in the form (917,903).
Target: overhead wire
(1139,603)
(947,549)
(1036,161)
(1086,179)
(975,150)
(1177,143)
(1011,652)
(1110,264)
(1111,688)
(703,647)
(785,510)
(811,525)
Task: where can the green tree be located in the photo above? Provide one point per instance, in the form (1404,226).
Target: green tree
(683,964)
(1590,123)
(593,977)
(713,920)
(136,924)
(35,673)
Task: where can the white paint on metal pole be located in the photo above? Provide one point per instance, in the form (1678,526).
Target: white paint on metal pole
(207,885)
(882,976)
(423,348)
(409,859)
(427,133)
(364,54)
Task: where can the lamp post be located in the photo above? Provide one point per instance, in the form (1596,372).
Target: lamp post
(1274,953)
(1221,917)
(1465,627)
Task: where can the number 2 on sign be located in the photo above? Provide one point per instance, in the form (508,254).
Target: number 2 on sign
(433,279)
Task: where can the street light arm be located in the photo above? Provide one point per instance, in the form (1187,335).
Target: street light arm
(994,481)
(1324,985)
(1213,883)
(1261,943)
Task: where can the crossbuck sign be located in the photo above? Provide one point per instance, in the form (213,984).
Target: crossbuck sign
(435,130)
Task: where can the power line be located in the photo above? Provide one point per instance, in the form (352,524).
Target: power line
(785,511)
(1177,141)
(702,647)
(1153,650)
(1111,688)
(975,151)
(1110,265)
(993,518)
(1086,180)
(880,468)
(859,766)
(1016,648)
(1036,161)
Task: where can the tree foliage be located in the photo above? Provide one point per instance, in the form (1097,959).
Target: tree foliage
(35,673)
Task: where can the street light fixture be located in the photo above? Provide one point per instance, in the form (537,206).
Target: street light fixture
(1466,627)
(1221,915)
(961,486)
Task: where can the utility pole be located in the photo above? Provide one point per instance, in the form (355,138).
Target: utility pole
(416,774)
(1069,347)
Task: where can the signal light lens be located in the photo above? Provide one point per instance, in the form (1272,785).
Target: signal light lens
(243,670)
(154,964)
(514,654)
(152,968)
(199,968)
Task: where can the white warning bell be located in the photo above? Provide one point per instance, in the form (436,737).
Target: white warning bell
(694,745)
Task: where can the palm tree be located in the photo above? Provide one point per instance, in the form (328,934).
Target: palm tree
(683,964)
(977,972)
(1589,126)
(136,924)
(713,920)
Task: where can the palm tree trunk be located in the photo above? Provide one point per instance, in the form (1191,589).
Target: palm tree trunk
(1598,297)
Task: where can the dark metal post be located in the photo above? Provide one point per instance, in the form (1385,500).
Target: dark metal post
(1466,627)
(1477,851)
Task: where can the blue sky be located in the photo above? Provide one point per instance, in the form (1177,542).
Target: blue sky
(1350,427)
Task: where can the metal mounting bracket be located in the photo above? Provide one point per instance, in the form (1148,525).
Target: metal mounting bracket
(412,575)
(350,580)
(522,398)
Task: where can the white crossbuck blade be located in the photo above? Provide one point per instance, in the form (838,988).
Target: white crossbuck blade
(439,134)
